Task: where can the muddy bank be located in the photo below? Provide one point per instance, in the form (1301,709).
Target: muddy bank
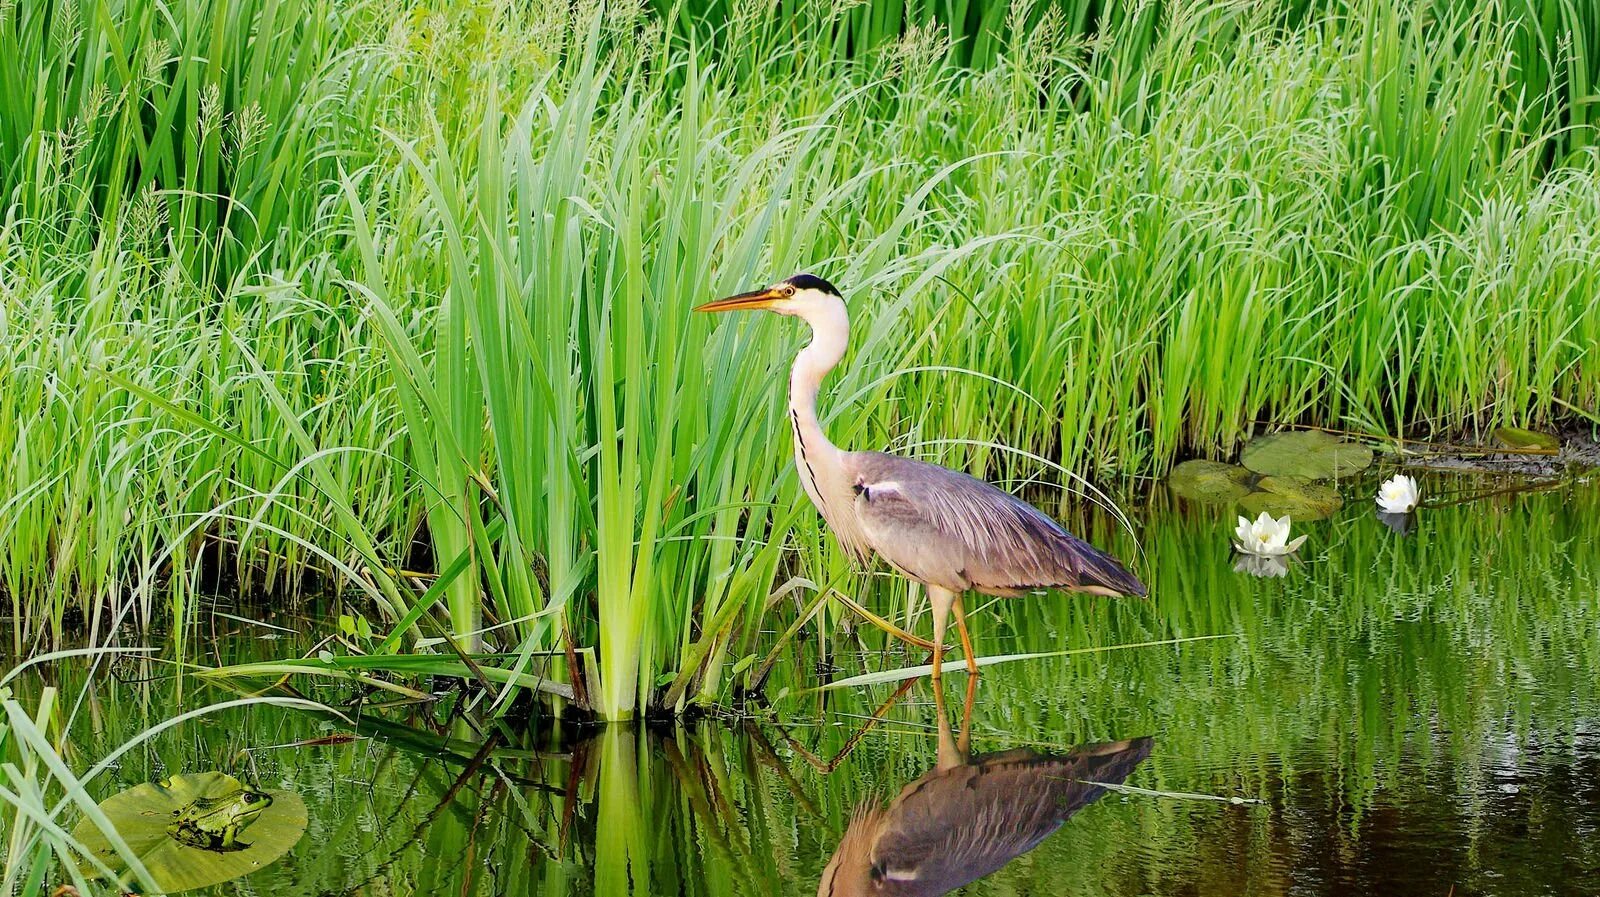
(1577,453)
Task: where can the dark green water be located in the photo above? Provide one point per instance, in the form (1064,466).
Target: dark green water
(1400,714)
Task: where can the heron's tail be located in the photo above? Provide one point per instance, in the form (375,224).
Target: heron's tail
(1102,574)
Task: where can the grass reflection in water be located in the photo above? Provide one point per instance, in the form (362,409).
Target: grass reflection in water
(1415,711)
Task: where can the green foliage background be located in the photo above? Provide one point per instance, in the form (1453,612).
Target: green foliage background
(360,288)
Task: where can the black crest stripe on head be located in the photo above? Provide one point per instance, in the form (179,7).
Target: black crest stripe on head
(813,282)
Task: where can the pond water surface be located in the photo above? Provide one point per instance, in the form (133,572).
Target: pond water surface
(1400,713)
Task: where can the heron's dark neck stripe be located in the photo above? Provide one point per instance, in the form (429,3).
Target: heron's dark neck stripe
(799,440)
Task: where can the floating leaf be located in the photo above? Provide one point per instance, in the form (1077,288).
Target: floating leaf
(143,813)
(1298,497)
(1517,438)
(1209,481)
(1311,454)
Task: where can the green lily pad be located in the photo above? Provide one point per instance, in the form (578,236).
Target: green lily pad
(1310,454)
(143,813)
(1209,481)
(1298,497)
(1518,438)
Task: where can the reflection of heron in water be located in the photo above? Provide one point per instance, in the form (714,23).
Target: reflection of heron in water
(967,817)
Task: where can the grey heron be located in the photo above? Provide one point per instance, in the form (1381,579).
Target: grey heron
(951,532)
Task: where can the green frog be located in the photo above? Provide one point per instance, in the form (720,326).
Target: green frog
(213,823)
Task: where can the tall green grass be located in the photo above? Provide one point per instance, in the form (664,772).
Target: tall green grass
(369,292)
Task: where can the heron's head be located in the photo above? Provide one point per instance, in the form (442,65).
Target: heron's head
(803,295)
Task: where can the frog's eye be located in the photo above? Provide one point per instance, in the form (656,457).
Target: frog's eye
(251,798)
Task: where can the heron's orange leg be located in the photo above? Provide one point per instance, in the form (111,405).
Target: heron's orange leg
(966,639)
(941,601)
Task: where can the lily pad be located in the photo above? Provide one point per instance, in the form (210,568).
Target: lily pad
(1310,454)
(1518,438)
(1298,497)
(142,815)
(1209,481)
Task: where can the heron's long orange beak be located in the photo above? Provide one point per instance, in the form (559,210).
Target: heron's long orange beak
(761,298)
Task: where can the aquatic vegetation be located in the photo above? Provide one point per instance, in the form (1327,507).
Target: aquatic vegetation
(1291,478)
(392,301)
(1527,440)
(41,787)
(1265,536)
(1398,495)
(186,830)
(1292,496)
(1308,454)
(1212,482)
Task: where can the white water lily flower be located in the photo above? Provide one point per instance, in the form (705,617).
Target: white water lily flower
(1265,537)
(1398,495)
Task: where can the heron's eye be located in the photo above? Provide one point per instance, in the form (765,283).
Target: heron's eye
(788,290)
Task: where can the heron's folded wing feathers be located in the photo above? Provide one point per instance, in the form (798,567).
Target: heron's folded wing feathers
(947,528)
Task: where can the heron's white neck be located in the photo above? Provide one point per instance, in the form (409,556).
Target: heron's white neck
(830,334)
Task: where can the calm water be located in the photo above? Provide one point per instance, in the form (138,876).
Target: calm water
(1402,713)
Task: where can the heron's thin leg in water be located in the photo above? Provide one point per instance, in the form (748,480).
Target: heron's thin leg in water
(966,638)
(940,600)
(828,766)
(965,741)
(953,751)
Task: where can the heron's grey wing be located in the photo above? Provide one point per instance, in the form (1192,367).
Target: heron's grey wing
(956,826)
(946,528)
